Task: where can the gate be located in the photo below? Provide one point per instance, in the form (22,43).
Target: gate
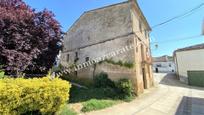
(196,78)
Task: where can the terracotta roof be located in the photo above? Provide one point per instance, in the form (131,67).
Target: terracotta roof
(194,47)
(164,58)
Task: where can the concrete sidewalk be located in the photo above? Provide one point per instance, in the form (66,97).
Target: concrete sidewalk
(169,97)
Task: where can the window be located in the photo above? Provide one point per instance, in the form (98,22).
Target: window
(67,57)
(136,49)
(76,57)
(76,54)
(129,42)
(146,34)
(88,38)
(159,65)
(140,26)
(142,52)
(76,73)
(172,70)
(87,59)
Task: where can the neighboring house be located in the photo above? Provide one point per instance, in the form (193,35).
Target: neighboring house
(190,64)
(163,64)
(107,29)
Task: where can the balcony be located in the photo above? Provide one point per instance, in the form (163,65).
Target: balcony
(147,61)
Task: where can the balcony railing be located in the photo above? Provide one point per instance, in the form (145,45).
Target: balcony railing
(147,61)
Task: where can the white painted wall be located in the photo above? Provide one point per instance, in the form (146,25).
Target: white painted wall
(192,60)
(165,67)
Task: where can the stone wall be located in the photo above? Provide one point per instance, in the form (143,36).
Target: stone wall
(105,30)
(100,50)
(99,25)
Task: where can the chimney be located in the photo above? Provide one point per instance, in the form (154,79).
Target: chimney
(132,0)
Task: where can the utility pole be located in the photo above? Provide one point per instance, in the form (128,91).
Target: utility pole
(203,28)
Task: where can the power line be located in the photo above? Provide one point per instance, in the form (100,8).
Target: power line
(178,39)
(179,16)
(188,13)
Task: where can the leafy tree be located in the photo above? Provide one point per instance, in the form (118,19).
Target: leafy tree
(28,39)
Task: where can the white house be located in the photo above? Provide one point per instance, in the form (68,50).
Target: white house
(163,64)
(190,64)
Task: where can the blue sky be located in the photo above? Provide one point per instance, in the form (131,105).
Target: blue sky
(156,11)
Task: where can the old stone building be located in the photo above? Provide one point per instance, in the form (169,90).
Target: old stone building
(107,29)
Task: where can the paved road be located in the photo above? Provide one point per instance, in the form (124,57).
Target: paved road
(169,97)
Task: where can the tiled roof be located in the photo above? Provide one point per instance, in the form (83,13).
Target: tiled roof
(164,58)
(194,47)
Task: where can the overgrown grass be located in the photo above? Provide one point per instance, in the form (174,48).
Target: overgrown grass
(66,111)
(96,98)
(102,93)
(78,95)
(95,104)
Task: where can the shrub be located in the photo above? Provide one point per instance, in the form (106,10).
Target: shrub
(124,88)
(102,80)
(43,95)
(1,74)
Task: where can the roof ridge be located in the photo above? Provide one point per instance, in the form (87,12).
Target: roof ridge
(193,47)
(85,12)
(111,5)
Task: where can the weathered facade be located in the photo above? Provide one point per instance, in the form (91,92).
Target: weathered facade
(107,29)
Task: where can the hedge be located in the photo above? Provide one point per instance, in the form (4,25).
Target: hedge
(1,74)
(43,95)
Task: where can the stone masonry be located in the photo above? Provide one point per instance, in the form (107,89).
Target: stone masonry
(107,29)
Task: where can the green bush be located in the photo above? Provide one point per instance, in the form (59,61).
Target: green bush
(1,74)
(122,89)
(102,81)
(125,88)
(37,95)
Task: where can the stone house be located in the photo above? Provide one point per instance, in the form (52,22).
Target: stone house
(190,64)
(101,31)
